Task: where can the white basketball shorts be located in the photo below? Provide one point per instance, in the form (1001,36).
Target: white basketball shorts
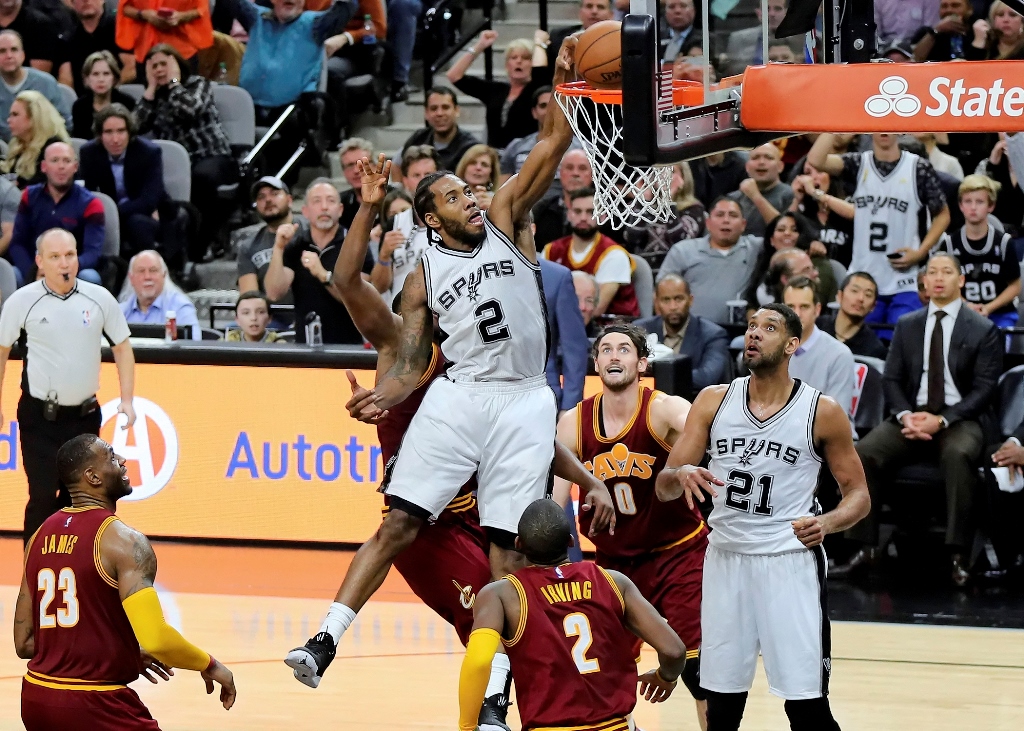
(773,605)
(502,431)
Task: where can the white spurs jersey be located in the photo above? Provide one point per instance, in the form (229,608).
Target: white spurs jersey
(770,470)
(490,307)
(886,219)
(405,258)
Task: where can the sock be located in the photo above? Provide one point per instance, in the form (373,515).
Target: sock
(338,619)
(500,669)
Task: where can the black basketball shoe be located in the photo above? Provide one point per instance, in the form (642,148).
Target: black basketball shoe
(310,662)
(493,713)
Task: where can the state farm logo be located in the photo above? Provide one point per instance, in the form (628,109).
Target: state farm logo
(150,445)
(892,98)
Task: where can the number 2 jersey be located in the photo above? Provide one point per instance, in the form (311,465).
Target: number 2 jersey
(83,638)
(572,657)
(628,464)
(490,306)
(770,469)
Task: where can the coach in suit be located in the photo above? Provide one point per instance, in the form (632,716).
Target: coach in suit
(129,169)
(706,343)
(940,376)
(566,369)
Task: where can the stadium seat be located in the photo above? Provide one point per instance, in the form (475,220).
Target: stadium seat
(209,333)
(135,91)
(869,407)
(1011,400)
(69,94)
(7,281)
(643,284)
(177,170)
(77,142)
(238,118)
(111,226)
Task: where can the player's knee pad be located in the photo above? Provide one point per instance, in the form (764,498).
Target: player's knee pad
(811,715)
(691,679)
(725,710)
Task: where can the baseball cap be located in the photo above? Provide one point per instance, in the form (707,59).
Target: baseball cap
(267,181)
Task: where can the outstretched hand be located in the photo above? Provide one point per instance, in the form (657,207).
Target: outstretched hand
(689,482)
(374,180)
(654,688)
(599,500)
(362,406)
(567,53)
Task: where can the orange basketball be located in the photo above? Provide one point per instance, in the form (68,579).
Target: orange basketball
(599,55)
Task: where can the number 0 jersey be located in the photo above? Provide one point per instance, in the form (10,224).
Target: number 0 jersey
(770,469)
(490,306)
(572,657)
(83,637)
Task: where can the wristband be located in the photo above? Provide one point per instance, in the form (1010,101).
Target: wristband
(663,679)
(213,661)
(384,263)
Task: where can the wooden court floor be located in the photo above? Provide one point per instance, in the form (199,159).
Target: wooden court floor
(398,666)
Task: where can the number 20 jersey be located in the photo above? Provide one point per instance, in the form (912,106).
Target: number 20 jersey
(490,306)
(770,469)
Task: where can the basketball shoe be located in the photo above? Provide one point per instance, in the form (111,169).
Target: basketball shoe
(310,662)
(493,713)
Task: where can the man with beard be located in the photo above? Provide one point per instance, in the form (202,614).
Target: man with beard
(764,573)
(273,203)
(87,604)
(856,298)
(624,435)
(588,250)
(303,261)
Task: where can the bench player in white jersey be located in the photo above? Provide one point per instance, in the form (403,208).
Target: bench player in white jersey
(893,186)
(493,414)
(764,574)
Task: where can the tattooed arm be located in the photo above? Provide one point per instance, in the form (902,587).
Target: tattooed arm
(24,632)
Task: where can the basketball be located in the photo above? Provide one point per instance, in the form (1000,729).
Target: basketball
(599,55)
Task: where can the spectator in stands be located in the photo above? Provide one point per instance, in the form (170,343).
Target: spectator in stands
(686,222)
(352,52)
(677,31)
(178,105)
(856,298)
(939,392)
(252,315)
(591,11)
(821,361)
(34,123)
(788,233)
(129,169)
(718,266)
(1000,166)
(998,37)
(566,368)
(763,195)
(100,74)
(586,294)
(94,31)
(781,52)
(897,20)
(479,167)
(717,175)
(940,160)
(58,203)
(418,161)
(514,155)
(226,52)
(589,250)
(990,266)
(402,241)
(152,295)
(745,46)
(10,197)
(820,200)
(303,261)
(273,202)
(441,115)
(350,152)
(39,34)
(784,267)
(706,343)
(403,17)
(549,215)
(184,25)
(950,37)
(18,79)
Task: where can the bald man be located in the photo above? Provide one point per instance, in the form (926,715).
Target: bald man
(763,195)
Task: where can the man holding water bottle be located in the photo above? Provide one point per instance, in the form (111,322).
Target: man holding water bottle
(303,262)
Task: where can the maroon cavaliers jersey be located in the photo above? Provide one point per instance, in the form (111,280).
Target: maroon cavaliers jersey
(572,657)
(628,464)
(82,635)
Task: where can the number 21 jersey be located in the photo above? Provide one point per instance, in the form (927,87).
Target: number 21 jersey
(770,469)
(490,306)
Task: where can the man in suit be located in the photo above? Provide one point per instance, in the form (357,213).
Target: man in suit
(706,343)
(129,169)
(745,46)
(567,361)
(940,376)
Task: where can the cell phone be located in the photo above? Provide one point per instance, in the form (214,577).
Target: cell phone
(893,255)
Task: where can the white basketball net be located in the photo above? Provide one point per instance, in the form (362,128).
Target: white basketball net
(625,196)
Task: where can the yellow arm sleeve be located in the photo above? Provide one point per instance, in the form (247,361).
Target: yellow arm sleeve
(157,637)
(476,670)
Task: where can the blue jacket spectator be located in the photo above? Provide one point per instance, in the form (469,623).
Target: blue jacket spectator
(567,362)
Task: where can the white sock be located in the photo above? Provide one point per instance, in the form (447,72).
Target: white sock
(338,619)
(500,669)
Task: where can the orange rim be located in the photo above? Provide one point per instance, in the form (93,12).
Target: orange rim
(685,93)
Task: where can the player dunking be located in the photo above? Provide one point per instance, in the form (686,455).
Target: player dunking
(764,574)
(448,558)
(87,603)
(623,435)
(569,630)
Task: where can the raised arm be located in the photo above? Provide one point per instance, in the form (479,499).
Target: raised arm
(681,476)
(821,157)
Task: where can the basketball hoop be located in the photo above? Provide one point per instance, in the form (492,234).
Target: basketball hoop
(625,196)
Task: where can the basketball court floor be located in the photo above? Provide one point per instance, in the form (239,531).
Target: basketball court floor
(398,667)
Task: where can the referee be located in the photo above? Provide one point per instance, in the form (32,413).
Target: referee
(63,321)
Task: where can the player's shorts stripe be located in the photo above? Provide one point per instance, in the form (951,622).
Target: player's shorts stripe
(524,608)
(72,686)
(615,587)
(615,724)
(693,653)
(820,564)
(688,537)
(96,551)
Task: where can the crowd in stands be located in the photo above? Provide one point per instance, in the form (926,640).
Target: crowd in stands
(783,222)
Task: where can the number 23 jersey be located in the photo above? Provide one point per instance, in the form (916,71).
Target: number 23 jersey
(490,306)
(770,469)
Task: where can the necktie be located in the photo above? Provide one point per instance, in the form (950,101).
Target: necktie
(936,368)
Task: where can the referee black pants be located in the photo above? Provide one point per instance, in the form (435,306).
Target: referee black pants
(40,440)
